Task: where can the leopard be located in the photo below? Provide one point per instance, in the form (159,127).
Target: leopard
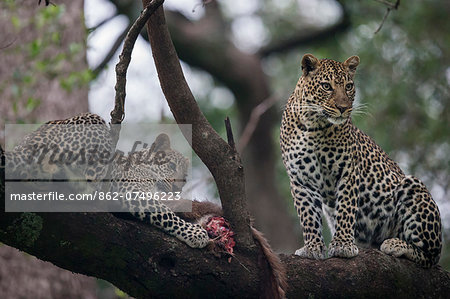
(337,171)
(87,139)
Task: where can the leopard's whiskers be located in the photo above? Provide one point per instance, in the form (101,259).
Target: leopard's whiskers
(361,109)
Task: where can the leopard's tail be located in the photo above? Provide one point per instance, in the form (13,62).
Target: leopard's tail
(278,279)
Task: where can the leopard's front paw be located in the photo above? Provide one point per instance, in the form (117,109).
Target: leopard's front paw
(197,237)
(342,249)
(312,251)
(394,247)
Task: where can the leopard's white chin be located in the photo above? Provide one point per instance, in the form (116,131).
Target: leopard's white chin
(337,120)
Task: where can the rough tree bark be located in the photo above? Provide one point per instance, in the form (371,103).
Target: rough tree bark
(143,261)
(221,159)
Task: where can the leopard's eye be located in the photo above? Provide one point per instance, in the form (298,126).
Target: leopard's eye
(326,86)
(349,86)
(173,166)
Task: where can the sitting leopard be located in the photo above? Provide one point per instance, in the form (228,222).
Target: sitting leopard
(335,168)
(87,137)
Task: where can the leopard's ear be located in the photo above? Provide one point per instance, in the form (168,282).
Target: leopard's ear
(162,143)
(351,63)
(309,64)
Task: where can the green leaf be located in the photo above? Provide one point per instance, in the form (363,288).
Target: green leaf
(56,37)
(75,48)
(32,103)
(15,21)
(35,47)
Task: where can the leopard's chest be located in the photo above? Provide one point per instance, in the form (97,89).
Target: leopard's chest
(318,160)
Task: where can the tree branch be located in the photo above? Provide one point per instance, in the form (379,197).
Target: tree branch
(147,263)
(306,36)
(390,6)
(372,274)
(253,122)
(215,153)
(100,67)
(118,113)
(139,259)
(8,44)
(100,24)
(205,44)
(230,137)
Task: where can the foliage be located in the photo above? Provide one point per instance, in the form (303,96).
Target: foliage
(39,57)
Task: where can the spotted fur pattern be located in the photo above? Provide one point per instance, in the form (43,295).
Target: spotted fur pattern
(337,169)
(165,170)
(90,137)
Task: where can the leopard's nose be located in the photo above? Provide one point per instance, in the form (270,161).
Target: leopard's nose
(342,108)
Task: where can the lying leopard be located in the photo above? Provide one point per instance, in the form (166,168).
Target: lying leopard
(335,168)
(87,135)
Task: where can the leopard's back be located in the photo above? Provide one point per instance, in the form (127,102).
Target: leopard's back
(62,146)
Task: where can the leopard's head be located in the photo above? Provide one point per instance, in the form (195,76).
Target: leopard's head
(327,88)
(170,164)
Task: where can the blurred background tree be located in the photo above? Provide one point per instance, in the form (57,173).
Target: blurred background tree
(242,59)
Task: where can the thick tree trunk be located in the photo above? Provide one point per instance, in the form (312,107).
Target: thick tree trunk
(40,50)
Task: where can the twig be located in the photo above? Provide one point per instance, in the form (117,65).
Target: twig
(9,44)
(118,114)
(388,10)
(202,4)
(101,23)
(390,6)
(111,52)
(229,133)
(253,122)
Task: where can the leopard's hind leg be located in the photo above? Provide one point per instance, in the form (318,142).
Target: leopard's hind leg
(419,225)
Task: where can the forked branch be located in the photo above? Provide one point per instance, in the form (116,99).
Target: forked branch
(215,152)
